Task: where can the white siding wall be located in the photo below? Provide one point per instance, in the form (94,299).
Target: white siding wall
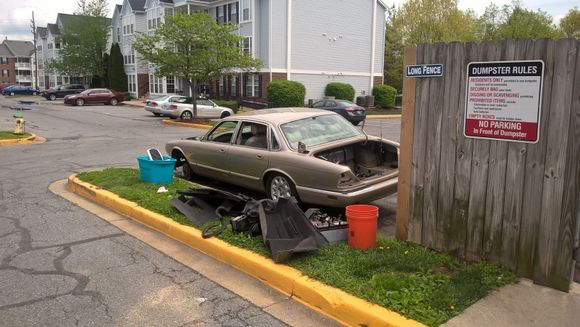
(315,84)
(380,40)
(279,19)
(262,31)
(331,35)
(141,26)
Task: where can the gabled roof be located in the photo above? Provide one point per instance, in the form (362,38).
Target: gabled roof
(53,29)
(42,32)
(4,51)
(19,48)
(137,5)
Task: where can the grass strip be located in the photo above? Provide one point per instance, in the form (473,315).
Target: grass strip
(418,283)
(5,135)
(383,112)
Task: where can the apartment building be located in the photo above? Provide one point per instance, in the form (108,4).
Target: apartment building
(47,48)
(17,63)
(312,42)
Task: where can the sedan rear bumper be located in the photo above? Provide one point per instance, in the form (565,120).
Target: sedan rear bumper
(155,110)
(342,199)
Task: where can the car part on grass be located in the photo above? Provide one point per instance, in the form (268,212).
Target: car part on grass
(333,228)
(286,229)
(201,206)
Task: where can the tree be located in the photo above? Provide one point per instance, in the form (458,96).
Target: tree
(196,48)
(515,22)
(116,71)
(394,51)
(570,24)
(83,41)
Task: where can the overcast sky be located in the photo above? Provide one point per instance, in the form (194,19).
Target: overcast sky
(16,14)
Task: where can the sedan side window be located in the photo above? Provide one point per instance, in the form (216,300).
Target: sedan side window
(330,104)
(253,135)
(223,132)
(318,104)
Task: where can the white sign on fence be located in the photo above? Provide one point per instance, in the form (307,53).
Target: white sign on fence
(503,100)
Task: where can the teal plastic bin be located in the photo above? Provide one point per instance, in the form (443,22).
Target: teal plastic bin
(156,171)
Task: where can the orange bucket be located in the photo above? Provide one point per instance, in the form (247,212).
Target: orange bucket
(362,225)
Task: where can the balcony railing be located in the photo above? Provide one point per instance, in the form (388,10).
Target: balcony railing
(23,66)
(23,78)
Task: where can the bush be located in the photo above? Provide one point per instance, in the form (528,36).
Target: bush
(384,96)
(341,91)
(127,96)
(232,104)
(285,94)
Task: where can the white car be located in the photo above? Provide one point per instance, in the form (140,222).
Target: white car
(183,109)
(155,104)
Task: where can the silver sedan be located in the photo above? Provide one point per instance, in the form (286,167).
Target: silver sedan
(183,109)
(154,104)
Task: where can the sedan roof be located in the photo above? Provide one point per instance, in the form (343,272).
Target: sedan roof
(280,115)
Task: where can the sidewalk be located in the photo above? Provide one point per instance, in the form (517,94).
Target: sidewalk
(523,304)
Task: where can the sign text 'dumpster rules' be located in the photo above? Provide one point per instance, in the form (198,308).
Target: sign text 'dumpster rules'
(503,100)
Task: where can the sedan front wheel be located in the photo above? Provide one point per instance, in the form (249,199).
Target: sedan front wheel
(280,186)
(186,115)
(80,102)
(52,97)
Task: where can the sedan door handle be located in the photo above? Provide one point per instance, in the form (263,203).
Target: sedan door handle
(259,156)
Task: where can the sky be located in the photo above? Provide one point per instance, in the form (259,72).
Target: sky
(16,14)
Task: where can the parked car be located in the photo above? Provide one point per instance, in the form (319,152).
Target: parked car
(155,104)
(62,90)
(3,86)
(314,155)
(104,96)
(183,109)
(353,113)
(20,89)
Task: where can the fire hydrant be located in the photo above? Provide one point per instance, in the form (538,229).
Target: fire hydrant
(19,125)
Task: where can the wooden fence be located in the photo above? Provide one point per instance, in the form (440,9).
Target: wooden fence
(512,203)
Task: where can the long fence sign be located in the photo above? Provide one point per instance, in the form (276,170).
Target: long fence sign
(504,100)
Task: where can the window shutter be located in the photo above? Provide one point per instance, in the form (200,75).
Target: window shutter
(259,95)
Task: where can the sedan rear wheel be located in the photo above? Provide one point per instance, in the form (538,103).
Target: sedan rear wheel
(186,115)
(80,102)
(224,114)
(280,186)
(52,97)
(113,102)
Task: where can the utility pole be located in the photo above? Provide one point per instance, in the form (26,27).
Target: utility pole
(33,26)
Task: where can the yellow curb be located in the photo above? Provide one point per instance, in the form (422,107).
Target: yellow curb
(177,123)
(341,306)
(27,140)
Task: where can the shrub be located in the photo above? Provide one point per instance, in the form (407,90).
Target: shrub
(127,96)
(341,91)
(285,94)
(232,104)
(384,96)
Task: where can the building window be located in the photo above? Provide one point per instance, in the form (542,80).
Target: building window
(253,87)
(59,80)
(155,84)
(234,86)
(220,14)
(39,47)
(170,84)
(131,28)
(221,85)
(168,11)
(2,61)
(49,46)
(246,10)
(132,84)
(118,35)
(233,8)
(5,73)
(247,45)
(57,45)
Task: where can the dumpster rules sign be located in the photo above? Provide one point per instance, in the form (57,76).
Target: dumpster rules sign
(503,100)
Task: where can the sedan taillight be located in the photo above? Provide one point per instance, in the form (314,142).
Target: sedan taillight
(172,106)
(153,104)
(349,109)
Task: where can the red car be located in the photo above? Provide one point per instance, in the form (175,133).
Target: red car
(104,96)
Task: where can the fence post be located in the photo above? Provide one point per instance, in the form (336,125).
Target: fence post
(405,155)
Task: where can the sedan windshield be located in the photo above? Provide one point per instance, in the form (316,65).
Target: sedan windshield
(317,130)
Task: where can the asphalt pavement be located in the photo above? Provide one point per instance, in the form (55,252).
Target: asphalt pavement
(61,265)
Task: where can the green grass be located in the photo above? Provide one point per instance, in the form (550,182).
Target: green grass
(4,135)
(421,284)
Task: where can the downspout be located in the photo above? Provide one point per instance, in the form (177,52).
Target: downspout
(270,37)
(373,45)
(289,41)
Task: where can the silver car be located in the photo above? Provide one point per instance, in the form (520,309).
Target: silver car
(154,105)
(183,109)
(314,155)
